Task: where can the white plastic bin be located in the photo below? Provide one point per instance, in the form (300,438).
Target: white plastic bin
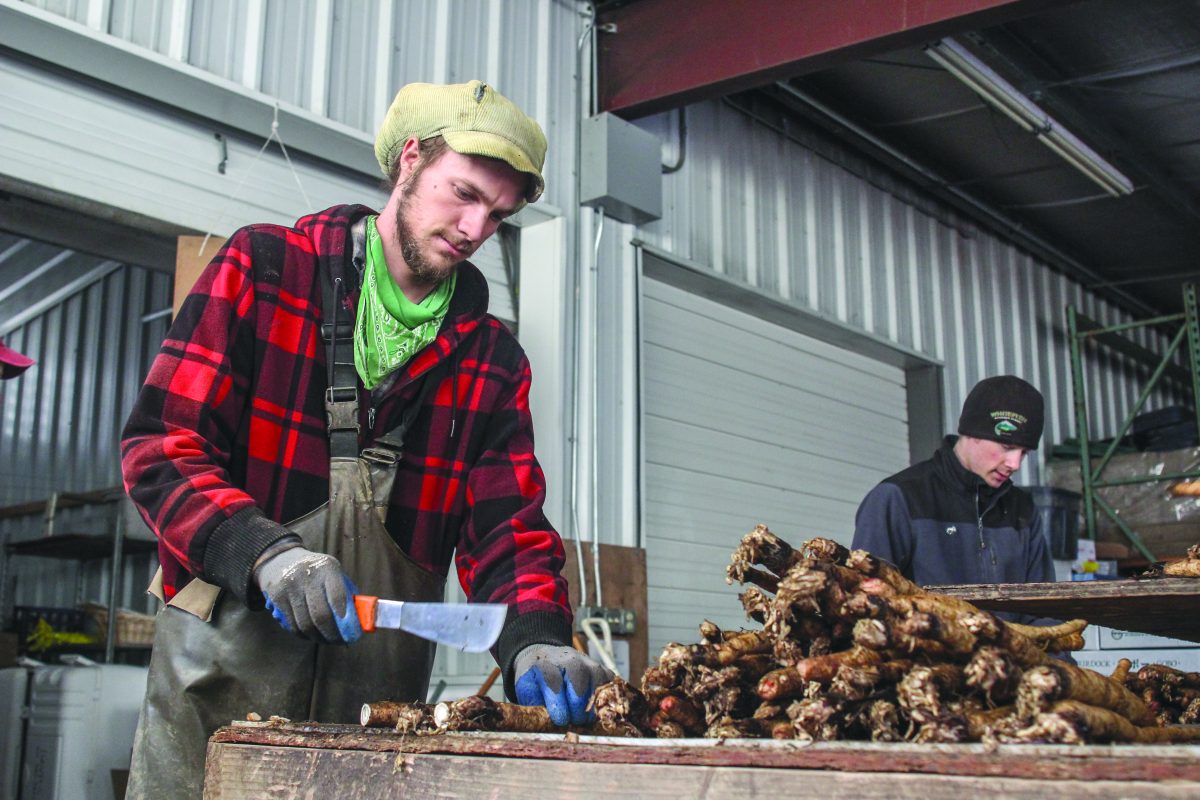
(81,724)
(13,683)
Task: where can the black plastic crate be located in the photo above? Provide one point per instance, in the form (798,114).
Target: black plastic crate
(1163,417)
(1169,437)
(1059,510)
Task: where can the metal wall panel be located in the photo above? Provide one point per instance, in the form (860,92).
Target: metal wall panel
(838,236)
(143,161)
(778,428)
(150,23)
(76,10)
(60,421)
(344,59)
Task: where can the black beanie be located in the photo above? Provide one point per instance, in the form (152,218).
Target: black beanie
(1003,409)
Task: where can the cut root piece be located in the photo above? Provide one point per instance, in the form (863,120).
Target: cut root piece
(1045,633)
(485,714)
(620,709)
(993,671)
(762,548)
(1043,686)
(1187,568)
(923,690)
(1073,722)
(742,644)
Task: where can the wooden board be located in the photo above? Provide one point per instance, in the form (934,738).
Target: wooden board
(260,760)
(190,262)
(1161,606)
(622,585)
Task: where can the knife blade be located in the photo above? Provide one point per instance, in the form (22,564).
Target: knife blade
(470,627)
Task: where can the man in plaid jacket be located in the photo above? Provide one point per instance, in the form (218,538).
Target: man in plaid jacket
(229,442)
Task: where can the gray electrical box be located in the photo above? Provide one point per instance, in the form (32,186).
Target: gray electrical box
(620,169)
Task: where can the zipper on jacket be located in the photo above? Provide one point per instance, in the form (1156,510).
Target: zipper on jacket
(979,521)
(370,419)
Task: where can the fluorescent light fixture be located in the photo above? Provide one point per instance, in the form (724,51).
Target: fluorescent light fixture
(1004,97)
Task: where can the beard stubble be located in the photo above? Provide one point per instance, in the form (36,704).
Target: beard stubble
(425,271)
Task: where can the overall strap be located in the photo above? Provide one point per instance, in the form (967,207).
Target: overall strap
(337,331)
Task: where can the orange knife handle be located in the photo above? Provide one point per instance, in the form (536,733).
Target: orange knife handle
(365,604)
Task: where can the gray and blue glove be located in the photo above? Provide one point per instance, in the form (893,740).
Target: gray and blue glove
(309,594)
(560,678)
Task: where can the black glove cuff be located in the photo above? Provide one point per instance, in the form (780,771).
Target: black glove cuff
(538,627)
(233,549)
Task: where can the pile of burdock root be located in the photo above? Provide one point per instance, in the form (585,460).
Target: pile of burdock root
(848,648)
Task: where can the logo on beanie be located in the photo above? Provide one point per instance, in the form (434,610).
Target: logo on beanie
(1008,422)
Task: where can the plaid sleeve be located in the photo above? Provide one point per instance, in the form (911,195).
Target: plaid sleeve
(509,553)
(177,444)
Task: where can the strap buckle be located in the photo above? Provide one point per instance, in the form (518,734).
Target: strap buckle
(342,414)
(380,455)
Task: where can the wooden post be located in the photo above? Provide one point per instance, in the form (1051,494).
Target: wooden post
(190,261)
(623,585)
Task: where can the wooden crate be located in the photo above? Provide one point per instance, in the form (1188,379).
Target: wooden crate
(253,760)
(1158,606)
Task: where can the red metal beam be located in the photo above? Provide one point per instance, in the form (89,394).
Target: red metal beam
(668,53)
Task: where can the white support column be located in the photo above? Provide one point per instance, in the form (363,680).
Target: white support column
(322,43)
(179,25)
(628,522)
(441,43)
(98,12)
(384,48)
(542,300)
(252,43)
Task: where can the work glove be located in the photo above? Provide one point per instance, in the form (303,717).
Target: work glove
(560,678)
(309,595)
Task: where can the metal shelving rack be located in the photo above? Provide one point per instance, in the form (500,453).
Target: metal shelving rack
(78,546)
(1189,327)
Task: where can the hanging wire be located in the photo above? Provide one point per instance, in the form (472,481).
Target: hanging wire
(272,136)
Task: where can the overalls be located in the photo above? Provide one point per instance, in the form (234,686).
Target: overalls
(215,660)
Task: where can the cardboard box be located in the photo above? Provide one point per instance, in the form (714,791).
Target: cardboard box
(1165,522)
(1085,553)
(1105,661)
(1091,637)
(1112,639)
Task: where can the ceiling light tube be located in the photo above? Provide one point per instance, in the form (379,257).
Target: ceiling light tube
(1005,97)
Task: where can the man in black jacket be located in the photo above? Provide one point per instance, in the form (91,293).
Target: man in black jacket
(958,518)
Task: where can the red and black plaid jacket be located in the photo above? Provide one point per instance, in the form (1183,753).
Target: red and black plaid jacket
(228,436)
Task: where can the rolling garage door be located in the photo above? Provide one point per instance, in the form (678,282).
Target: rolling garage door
(746,421)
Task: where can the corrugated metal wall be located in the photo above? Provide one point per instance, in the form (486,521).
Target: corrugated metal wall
(846,240)
(61,419)
(92,325)
(344,59)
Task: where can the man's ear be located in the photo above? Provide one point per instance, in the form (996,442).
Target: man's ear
(410,156)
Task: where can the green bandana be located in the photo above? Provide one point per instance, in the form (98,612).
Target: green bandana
(390,329)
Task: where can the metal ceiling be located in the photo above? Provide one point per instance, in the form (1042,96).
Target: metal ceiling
(1123,77)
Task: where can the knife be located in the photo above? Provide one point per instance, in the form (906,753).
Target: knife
(470,627)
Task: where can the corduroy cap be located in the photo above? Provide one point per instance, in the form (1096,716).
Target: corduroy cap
(473,118)
(1004,409)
